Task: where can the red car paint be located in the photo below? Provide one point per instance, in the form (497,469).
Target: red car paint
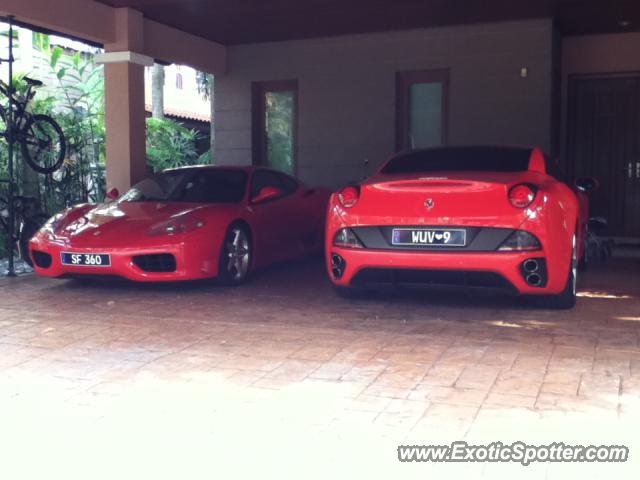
(281,228)
(461,199)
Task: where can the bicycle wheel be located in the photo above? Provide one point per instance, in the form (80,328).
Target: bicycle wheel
(43,144)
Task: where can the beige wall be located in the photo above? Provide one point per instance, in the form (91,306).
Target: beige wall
(347,89)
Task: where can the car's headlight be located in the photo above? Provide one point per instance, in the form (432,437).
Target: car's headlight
(175,226)
(347,239)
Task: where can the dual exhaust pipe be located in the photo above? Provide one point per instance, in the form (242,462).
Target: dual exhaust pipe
(338,266)
(534,272)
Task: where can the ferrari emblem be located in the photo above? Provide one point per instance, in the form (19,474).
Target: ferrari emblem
(429,203)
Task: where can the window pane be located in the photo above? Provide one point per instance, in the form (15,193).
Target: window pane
(279,122)
(223,186)
(288,184)
(261,180)
(461,159)
(191,185)
(425,115)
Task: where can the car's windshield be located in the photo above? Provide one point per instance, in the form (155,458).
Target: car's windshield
(475,159)
(201,185)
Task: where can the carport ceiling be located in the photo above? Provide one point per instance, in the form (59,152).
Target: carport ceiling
(244,21)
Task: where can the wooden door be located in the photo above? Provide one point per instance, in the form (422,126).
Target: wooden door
(604,142)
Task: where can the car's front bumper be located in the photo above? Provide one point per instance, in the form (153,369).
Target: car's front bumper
(192,261)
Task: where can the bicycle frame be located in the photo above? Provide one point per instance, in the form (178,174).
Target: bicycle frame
(20,104)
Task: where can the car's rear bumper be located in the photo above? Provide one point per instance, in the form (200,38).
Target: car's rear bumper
(504,270)
(189,263)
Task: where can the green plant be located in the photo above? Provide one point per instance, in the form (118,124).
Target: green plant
(206,87)
(79,107)
(76,100)
(205,158)
(279,125)
(170,144)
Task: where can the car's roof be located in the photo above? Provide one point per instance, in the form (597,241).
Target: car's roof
(518,148)
(249,169)
(246,168)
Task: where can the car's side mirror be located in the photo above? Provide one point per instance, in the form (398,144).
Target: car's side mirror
(586,184)
(112,195)
(267,193)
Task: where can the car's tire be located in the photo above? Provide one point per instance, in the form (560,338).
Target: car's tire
(236,256)
(567,298)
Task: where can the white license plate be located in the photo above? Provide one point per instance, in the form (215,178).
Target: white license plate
(436,237)
(86,259)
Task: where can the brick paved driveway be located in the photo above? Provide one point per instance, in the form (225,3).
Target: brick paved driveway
(282,378)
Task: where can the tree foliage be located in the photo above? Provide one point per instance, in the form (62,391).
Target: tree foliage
(78,107)
(206,88)
(170,144)
(279,126)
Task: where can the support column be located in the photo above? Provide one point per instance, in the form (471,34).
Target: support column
(125,124)
(124,100)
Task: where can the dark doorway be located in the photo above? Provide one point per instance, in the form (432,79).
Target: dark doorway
(275,117)
(421,109)
(604,142)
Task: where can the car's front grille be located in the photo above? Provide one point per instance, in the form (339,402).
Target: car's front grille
(156,263)
(41,259)
(400,276)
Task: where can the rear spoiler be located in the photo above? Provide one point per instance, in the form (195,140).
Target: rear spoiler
(537,162)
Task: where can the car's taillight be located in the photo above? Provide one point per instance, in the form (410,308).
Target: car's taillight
(347,239)
(349,196)
(175,226)
(519,240)
(522,195)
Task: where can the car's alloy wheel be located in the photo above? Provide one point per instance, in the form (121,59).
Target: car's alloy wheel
(235,258)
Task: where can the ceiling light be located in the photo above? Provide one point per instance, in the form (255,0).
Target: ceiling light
(624,23)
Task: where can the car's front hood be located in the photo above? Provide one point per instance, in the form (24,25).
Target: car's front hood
(120,223)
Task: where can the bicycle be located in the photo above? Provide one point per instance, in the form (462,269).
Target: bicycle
(29,220)
(40,137)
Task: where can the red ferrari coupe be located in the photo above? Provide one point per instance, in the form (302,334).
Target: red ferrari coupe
(186,224)
(470,216)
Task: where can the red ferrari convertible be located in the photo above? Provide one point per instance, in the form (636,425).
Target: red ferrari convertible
(470,216)
(186,224)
